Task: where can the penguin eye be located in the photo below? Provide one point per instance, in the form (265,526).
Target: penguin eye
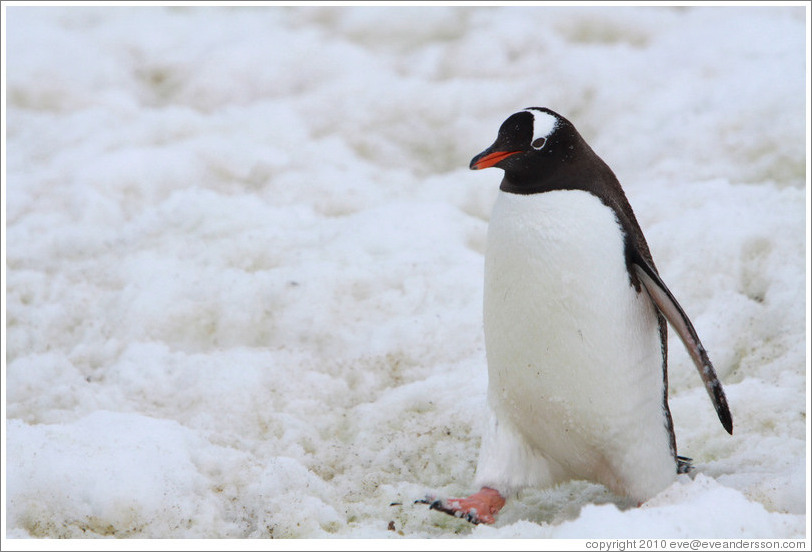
(538,143)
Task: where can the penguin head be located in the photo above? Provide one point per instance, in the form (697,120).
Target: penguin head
(533,147)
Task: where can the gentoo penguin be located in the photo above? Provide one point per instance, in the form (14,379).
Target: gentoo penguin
(575,328)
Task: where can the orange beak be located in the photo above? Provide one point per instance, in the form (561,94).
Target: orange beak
(491,159)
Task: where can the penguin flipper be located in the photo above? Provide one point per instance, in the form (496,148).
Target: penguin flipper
(671,309)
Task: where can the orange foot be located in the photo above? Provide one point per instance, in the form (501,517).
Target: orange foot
(478,508)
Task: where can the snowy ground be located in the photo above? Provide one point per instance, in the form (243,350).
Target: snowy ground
(244,260)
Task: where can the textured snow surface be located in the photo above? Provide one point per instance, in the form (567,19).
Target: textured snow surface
(244,261)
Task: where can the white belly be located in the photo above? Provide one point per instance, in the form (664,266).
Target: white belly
(574,357)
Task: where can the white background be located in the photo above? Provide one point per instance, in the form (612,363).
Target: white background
(244,260)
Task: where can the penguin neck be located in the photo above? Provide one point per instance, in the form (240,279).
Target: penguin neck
(561,173)
(589,173)
(533,186)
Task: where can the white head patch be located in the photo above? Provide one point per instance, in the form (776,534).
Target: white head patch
(543,124)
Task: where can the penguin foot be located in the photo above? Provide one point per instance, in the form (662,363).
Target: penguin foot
(478,508)
(684,464)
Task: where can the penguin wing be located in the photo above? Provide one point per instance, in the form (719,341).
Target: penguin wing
(671,309)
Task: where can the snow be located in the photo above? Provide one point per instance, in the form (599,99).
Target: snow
(244,261)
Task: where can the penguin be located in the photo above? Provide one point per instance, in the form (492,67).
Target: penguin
(575,321)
